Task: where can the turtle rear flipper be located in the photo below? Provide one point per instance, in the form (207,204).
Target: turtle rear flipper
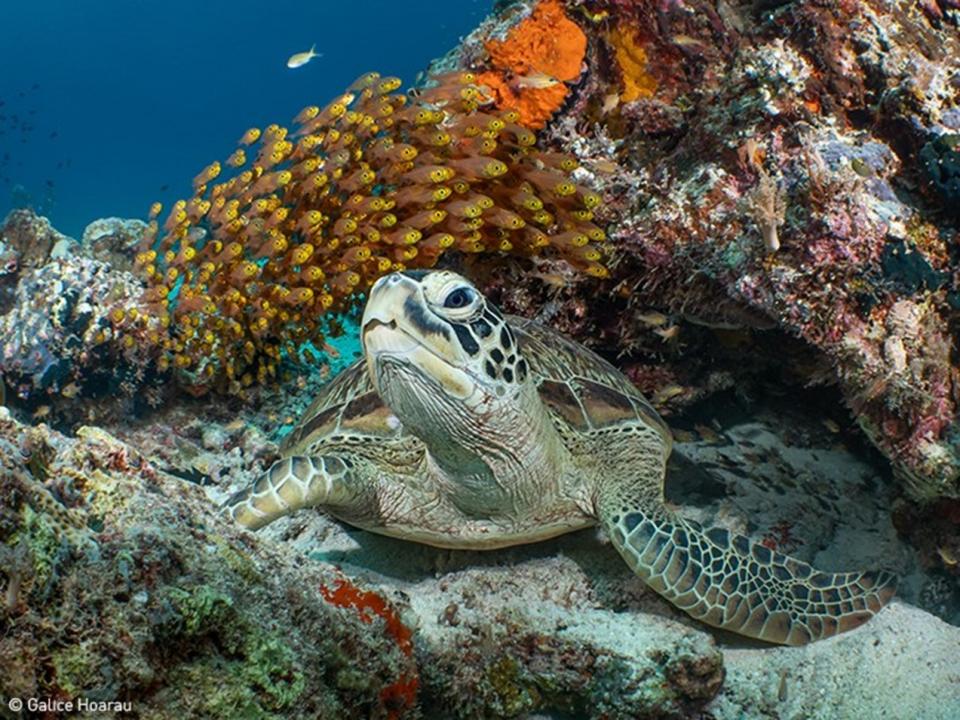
(725,580)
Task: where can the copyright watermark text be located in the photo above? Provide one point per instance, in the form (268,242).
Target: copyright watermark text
(56,705)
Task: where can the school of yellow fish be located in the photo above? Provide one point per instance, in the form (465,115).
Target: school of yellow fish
(377,181)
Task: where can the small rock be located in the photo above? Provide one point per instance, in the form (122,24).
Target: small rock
(114,240)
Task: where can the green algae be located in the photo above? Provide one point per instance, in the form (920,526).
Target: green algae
(257,672)
(263,682)
(201,609)
(271,666)
(515,695)
(238,562)
(44,544)
(79,668)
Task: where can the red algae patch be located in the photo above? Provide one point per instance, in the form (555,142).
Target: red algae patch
(402,693)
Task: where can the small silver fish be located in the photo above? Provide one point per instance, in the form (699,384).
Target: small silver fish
(653,318)
(302,58)
(536,80)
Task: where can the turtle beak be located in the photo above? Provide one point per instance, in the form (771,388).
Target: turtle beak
(383,312)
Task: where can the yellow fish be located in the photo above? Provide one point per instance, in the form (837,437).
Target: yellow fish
(653,318)
(610,103)
(237,159)
(668,334)
(666,393)
(302,58)
(250,136)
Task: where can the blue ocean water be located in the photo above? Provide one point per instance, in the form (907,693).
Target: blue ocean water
(109,105)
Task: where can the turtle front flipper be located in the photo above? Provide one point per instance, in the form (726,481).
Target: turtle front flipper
(291,484)
(725,580)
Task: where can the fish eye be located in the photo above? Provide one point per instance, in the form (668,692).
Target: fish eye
(460,297)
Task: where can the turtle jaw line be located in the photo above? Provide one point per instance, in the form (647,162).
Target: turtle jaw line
(447,377)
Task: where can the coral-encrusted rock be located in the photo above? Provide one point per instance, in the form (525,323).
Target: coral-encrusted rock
(121,585)
(114,240)
(28,240)
(788,161)
(74,320)
(531,645)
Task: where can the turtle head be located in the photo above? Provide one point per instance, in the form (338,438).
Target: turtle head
(433,343)
(445,361)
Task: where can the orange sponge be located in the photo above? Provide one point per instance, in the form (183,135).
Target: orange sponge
(632,58)
(546,44)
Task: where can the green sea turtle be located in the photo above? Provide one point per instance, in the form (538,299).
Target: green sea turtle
(463,428)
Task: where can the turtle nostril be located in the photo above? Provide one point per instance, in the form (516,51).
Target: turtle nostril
(392,325)
(385,281)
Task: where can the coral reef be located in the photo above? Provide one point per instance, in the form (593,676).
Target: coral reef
(790,168)
(27,241)
(108,597)
(778,182)
(74,329)
(113,240)
(252,267)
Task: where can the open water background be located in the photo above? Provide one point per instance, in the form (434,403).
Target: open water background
(109,105)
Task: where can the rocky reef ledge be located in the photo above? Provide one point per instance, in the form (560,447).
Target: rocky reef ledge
(787,169)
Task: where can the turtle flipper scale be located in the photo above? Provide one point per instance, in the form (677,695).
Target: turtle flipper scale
(724,580)
(289,485)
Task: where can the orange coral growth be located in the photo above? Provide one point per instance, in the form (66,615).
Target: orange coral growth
(632,58)
(369,604)
(546,45)
(247,269)
(402,693)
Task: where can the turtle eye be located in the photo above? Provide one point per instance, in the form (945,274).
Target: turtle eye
(459,298)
